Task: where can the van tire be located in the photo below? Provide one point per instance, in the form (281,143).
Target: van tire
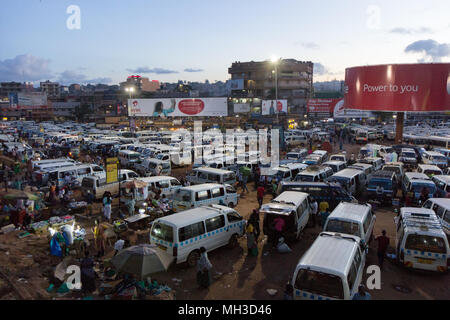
(231,205)
(233,242)
(192,259)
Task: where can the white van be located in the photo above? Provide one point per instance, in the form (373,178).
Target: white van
(336,166)
(98,187)
(354,219)
(38,165)
(364,167)
(289,171)
(182,235)
(314,174)
(78,172)
(376,162)
(353,180)
(429,170)
(339,157)
(204,194)
(211,175)
(149,167)
(323,155)
(128,158)
(331,269)
(293,207)
(420,241)
(167,185)
(442,209)
(127,175)
(434,158)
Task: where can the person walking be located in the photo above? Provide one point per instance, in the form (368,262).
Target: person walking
(274,189)
(314,211)
(260,194)
(324,216)
(254,220)
(244,183)
(279,225)
(107,201)
(383,244)
(252,246)
(204,267)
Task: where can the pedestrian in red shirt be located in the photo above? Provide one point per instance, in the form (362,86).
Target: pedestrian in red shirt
(260,194)
(383,244)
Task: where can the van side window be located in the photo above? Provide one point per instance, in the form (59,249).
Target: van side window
(202,175)
(440,211)
(447,217)
(352,275)
(97,169)
(367,222)
(428,204)
(191,231)
(295,172)
(162,184)
(202,195)
(175,183)
(215,223)
(217,192)
(213,177)
(83,171)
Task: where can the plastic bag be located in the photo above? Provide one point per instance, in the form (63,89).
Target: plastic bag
(55,248)
(283,247)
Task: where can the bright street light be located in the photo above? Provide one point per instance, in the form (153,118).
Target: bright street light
(274,59)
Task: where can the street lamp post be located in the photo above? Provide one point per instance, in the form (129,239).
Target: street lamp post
(130,90)
(275,61)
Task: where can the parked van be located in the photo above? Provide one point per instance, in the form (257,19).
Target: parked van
(333,193)
(382,186)
(420,241)
(204,194)
(408,157)
(331,269)
(336,166)
(415,182)
(364,167)
(377,163)
(339,157)
(396,167)
(38,165)
(182,235)
(98,187)
(293,207)
(210,175)
(443,186)
(127,175)
(323,155)
(429,170)
(435,158)
(313,160)
(353,180)
(42,178)
(352,219)
(445,152)
(150,167)
(314,174)
(167,185)
(442,209)
(294,141)
(288,172)
(128,158)
(297,156)
(55,165)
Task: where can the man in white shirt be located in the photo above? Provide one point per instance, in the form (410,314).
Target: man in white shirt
(314,209)
(118,246)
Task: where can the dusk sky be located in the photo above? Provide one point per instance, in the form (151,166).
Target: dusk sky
(197,39)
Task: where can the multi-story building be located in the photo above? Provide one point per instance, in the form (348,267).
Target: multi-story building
(52,89)
(140,84)
(258,80)
(13,87)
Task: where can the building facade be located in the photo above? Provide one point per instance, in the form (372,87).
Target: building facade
(258,80)
(140,84)
(52,89)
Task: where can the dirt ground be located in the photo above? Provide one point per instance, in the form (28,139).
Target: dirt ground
(26,266)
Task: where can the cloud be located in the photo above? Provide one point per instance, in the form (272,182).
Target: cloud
(24,67)
(431,50)
(309,45)
(320,69)
(69,77)
(401,30)
(193,70)
(151,70)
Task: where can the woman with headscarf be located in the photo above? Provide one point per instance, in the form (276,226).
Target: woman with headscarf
(252,245)
(204,267)
(107,201)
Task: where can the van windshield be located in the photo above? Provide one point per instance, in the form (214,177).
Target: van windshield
(432,172)
(345,227)
(304,178)
(425,243)
(87,183)
(418,187)
(319,283)
(162,232)
(393,169)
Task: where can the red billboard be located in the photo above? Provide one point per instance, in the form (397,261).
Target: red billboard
(322,105)
(398,87)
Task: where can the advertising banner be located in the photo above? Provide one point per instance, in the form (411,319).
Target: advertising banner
(322,105)
(112,170)
(339,111)
(398,87)
(270,107)
(237,84)
(197,107)
(241,108)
